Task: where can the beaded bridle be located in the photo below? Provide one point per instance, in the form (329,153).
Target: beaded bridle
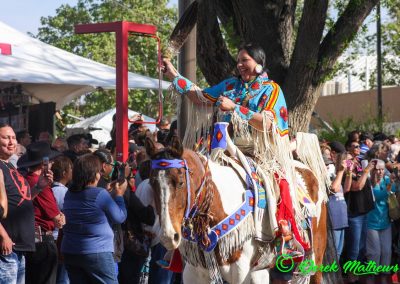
(197,214)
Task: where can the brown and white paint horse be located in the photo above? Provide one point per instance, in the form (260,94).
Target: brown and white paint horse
(226,188)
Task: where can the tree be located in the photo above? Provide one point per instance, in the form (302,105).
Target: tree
(300,54)
(59,31)
(391,44)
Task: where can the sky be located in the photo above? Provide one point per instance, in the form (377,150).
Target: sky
(24,15)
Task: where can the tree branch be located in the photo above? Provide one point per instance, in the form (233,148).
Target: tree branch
(260,22)
(305,54)
(213,57)
(340,36)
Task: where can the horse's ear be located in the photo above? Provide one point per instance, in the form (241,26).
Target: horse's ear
(150,146)
(176,146)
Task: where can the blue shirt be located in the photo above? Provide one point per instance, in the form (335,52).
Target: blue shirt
(264,94)
(89,216)
(59,191)
(363,151)
(378,218)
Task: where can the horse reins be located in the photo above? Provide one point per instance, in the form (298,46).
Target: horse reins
(163,164)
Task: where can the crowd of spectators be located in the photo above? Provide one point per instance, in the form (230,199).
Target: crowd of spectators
(364,174)
(68,217)
(69,213)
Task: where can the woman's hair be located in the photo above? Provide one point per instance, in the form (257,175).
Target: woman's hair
(354,136)
(376,150)
(61,164)
(339,159)
(104,155)
(256,52)
(84,172)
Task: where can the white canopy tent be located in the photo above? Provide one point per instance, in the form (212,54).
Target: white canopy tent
(51,74)
(100,125)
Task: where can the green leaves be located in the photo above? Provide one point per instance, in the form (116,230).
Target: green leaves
(59,31)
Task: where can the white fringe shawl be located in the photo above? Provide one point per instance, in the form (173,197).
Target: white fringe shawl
(227,245)
(273,155)
(309,152)
(199,118)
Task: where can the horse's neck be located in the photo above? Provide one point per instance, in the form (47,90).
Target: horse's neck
(229,187)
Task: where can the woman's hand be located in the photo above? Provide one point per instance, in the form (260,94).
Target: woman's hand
(137,116)
(226,104)
(168,69)
(59,220)
(45,179)
(349,165)
(119,188)
(343,166)
(371,166)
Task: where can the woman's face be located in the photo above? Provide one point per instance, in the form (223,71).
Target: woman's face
(246,66)
(355,149)
(379,171)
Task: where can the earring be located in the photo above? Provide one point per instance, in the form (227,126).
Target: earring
(258,69)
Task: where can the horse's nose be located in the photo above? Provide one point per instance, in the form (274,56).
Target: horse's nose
(176,237)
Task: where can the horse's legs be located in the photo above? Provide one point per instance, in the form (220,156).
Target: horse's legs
(195,275)
(259,276)
(319,232)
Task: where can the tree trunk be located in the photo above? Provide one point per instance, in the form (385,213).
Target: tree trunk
(214,59)
(270,24)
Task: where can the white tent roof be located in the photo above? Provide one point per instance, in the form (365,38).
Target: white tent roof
(52,74)
(103,123)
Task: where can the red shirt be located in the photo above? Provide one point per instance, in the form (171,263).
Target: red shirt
(45,205)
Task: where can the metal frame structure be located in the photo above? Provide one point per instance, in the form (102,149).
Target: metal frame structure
(122,30)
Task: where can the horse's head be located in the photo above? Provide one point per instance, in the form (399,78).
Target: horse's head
(169,178)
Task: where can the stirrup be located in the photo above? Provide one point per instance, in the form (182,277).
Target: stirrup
(294,253)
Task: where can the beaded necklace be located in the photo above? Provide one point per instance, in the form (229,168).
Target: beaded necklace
(247,93)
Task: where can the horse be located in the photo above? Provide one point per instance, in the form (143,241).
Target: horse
(185,182)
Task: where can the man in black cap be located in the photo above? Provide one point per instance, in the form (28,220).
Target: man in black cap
(77,145)
(41,265)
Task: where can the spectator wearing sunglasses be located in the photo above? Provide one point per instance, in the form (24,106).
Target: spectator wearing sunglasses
(359,202)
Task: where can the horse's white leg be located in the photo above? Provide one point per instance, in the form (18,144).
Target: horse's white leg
(195,275)
(259,277)
(239,271)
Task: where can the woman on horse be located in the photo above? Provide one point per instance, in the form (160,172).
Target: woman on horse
(248,94)
(254,98)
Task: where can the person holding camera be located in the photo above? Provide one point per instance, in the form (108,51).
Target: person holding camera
(379,233)
(359,201)
(337,205)
(90,212)
(41,265)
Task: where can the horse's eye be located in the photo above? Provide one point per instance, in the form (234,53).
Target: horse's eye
(180,185)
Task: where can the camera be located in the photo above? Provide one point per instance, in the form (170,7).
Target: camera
(45,162)
(119,172)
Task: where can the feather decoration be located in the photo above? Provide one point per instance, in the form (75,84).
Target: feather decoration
(182,30)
